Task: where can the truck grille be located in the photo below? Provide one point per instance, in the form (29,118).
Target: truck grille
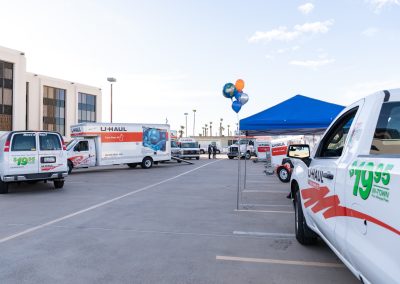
(234,149)
(190,152)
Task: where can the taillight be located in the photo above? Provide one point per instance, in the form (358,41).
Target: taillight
(63,143)
(7,146)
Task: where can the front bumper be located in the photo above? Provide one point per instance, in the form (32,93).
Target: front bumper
(39,176)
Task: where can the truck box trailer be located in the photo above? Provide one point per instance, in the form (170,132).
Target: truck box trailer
(102,144)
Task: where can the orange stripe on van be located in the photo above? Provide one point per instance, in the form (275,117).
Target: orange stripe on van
(115,137)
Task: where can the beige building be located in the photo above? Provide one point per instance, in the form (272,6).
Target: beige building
(30,101)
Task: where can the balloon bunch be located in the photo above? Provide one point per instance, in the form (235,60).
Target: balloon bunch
(231,91)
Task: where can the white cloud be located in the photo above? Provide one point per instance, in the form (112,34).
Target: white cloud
(316,27)
(306,8)
(370,32)
(312,63)
(284,34)
(269,56)
(378,5)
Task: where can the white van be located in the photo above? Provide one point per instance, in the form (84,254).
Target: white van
(32,156)
(347,190)
(102,144)
(189,148)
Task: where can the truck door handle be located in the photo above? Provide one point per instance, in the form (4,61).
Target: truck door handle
(327,175)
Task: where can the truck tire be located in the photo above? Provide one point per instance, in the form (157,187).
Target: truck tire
(70,167)
(197,158)
(283,174)
(147,163)
(58,183)
(132,165)
(304,234)
(247,156)
(3,187)
(202,151)
(230,157)
(218,152)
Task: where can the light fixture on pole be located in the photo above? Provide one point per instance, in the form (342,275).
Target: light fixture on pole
(186,114)
(194,121)
(111,80)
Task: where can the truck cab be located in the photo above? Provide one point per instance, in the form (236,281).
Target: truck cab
(346,191)
(246,147)
(81,153)
(189,148)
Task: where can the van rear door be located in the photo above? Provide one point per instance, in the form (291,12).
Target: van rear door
(51,154)
(23,154)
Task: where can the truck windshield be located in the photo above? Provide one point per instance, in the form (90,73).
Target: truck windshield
(174,144)
(190,145)
(70,144)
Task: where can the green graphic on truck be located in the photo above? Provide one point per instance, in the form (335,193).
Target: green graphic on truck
(23,161)
(371,180)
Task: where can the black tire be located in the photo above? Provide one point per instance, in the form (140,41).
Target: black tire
(304,234)
(218,152)
(70,167)
(283,174)
(156,163)
(230,157)
(147,163)
(132,165)
(247,156)
(197,158)
(58,183)
(202,151)
(3,187)
(179,161)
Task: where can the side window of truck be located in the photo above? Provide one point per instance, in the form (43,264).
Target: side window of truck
(24,142)
(333,142)
(387,132)
(82,146)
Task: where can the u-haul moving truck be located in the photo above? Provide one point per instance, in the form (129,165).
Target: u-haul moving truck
(101,144)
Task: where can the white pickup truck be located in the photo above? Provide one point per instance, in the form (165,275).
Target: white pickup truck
(347,191)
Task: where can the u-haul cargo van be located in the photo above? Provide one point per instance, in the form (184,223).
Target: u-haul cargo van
(101,144)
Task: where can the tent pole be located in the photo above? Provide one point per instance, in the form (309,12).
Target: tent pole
(239,154)
(245,167)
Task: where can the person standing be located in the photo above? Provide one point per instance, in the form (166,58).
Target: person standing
(214,150)
(209,151)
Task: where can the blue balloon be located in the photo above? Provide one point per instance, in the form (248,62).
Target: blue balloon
(229,90)
(237,95)
(236,106)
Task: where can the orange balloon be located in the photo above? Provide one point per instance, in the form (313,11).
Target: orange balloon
(239,85)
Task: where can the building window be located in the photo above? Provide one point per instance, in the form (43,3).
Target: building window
(86,108)
(54,109)
(6,95)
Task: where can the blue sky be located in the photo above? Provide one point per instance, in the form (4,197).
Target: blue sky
(170,57)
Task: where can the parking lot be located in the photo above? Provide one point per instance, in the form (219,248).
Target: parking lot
(174,223)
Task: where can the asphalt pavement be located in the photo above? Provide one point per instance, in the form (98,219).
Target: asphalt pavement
(174,223)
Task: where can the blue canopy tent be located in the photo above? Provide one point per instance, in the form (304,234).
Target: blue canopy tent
(298,115)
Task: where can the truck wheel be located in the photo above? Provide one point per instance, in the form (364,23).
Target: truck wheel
(58,183)
(147,163)
(218,152)
(247,156)
(70,167)
(197,158)
(202,151)
(283,174)
(3,187)
(230,157)
(132,165)
(304,234)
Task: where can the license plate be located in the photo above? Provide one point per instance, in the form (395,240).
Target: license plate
(48,160)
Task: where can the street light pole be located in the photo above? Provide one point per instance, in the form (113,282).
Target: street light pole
(194,121)
(111,80)
(210,128)
(186,114)
(220,127)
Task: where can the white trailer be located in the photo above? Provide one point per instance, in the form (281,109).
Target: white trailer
(101,144)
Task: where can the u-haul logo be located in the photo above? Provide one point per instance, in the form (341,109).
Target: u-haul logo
(113,128)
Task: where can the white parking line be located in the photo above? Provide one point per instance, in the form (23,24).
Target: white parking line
(280,261)
(263,191)
(264,211)
(262,234)
(33,229)
(266,205)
